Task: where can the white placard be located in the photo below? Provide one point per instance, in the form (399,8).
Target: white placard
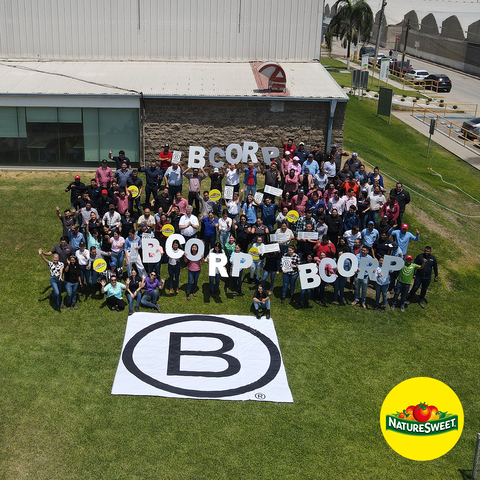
(258,197)
(176,156)
(269,248)
(286,264)
(278,192)
(280,237)
(228,192)
(221,357)
(307,235)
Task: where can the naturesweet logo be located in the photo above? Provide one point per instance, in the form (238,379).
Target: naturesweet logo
(421,430)
(422,419)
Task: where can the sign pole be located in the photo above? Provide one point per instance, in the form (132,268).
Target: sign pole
(432,131)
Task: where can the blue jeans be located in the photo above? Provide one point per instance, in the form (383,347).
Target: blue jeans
(138,205)
(71,288)
(237,282)
(150,299)
(118,258)
(361,285)
(289,284)
(223,237)
(402,290)
(56,284)
(192,281)
(250,190)
(339,288)
(84,275)
(256,269)
(174,273)
(307,293)
(137,297)
(424,283)
(214,283)
(272,278)
(258,305)
(381,289)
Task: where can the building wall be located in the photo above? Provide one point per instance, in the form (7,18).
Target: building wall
(198,30)
(218,123)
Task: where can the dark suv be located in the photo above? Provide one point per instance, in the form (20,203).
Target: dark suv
(438,83)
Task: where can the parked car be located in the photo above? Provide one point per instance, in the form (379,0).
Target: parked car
(438,82)
(415,75)
(370,51)
(471,128)
(396,65)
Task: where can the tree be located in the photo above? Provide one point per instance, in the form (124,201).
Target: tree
(353,18)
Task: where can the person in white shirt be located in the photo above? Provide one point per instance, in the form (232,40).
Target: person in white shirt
(377,199)
(232,178)
(330,168)
(224,227)
(188,224)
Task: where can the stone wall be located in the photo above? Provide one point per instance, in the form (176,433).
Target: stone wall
(218,123)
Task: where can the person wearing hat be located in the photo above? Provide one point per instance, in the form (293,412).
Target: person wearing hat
(405,280)
(353,163)
(76,189)
(285,163)
(104,175)
(403,237)
(295,164)
(120,159)
(301,152)
(165,158)
(370,235)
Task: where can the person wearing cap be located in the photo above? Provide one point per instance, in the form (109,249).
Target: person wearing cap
(151,179)
(216,178)
(285,162)
(104,175)
(382,246)
(423,277)
(165,158)
(403,199)
(337,154)
(405,280)
(174,178)
(403,237)
(370,235)
(136,181)
(383,225)
(76,189)
(104,202)
(295,164)
(120,159)
(112,219)
(301,152)
(353,163)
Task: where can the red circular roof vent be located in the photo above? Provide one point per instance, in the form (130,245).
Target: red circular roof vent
(277,80)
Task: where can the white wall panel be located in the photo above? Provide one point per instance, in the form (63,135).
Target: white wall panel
(198,30)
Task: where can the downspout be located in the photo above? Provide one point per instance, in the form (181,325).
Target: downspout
(333,106)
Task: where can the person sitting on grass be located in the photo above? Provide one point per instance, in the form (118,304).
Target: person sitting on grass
(114,291)
(261,300)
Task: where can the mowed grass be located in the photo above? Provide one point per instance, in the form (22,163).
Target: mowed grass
(59,421)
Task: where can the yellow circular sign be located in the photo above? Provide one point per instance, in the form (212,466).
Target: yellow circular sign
(215,195)
(254,253)
(99,265)
(133,190)
(168,229)
(293,215)
(421,418)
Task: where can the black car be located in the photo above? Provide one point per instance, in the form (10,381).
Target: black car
(471,129)
(438,83)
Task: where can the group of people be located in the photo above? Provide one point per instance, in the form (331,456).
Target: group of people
(329,205)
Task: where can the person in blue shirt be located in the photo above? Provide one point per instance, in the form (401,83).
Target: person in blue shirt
(75,237)
(210,230)
(361,283)
(250,179)
(369,235)
(301,152)
(312,166)
(402,238)
(151,176)
(269,212)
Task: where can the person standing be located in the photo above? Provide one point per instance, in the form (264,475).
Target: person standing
(72,281)
(165,158)
(405,280)
(361,281)
(151,176)
(403,199)
(56,274)
(289,262)
(381,286)
(424,277)
(194,186)
(120,159)
(104,175)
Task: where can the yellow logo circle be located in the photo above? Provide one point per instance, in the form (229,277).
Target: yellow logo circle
(99,265)
(214,194)
(133,190)
(293,215)
(254,253)
(168,229)
(421,418)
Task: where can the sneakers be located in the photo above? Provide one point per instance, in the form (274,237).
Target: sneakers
(354,303)
(270,292)
(130,312)
(383,309)
(158,308)
(137,309)
(117,308)
(282,301)
(392,308)
(257,313)
(188,297)
(402,309)
(74,305)
(176,290)
(421,304)
(407,303)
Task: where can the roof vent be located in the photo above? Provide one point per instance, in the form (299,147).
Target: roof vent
(277,80)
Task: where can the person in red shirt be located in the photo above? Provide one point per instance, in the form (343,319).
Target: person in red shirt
(326,246)
(165,158)
(350,184)
(391,209)
(288,145)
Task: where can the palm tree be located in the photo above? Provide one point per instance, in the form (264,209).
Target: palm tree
(352,17)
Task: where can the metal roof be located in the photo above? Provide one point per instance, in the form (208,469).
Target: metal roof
(309,81)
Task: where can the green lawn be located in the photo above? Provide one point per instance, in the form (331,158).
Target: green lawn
(59,421)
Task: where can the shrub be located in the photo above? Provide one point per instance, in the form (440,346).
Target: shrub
(402,99)
(376,95)
(455,107)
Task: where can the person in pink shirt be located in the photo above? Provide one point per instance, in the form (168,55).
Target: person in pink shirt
(123,201)
(104,175)
(295,164)
(300,202)
(179,202)
(285,162)
(391,209)
(291,182)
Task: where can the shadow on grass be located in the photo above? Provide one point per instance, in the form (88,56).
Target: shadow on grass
(466,474)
